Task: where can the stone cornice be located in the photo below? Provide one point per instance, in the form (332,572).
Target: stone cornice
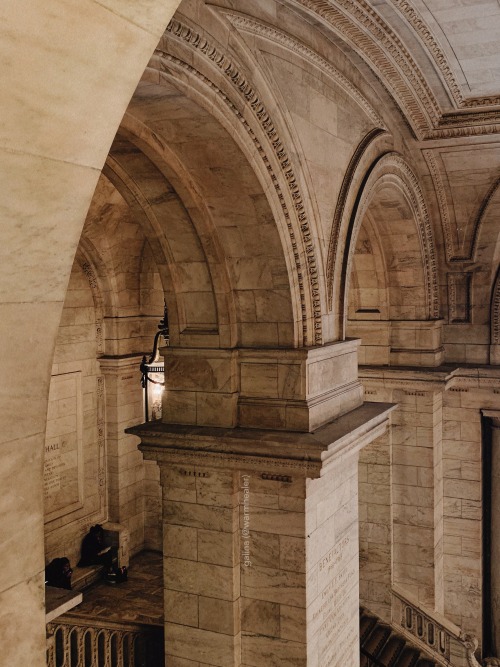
(441,378)
(239,448)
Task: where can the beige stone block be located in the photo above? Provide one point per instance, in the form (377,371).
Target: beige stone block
(216,547)
(277,522)
(219,615)
(271,501)
(217,488)
(22,622)
(216,409)
(21,505)
(201,578)
(259,379)
(257,650)
(260,617)
(179,407)
(470,490)
(180,542)
(174,661)
(292,553)
(200,370)
(273,585)
(264,548)
(200,516)
(292,623)
(181,608)
(203,646)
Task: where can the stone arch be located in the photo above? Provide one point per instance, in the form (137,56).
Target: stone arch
(166,224)
(371,147)
(486,259)
(220,84)
(229,210)
(390,183)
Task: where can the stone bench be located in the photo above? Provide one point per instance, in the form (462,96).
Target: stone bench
(115,535)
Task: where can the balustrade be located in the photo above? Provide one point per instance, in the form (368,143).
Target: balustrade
(76,642)
(436,635)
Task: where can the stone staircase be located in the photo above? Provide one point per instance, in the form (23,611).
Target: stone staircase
(382,646)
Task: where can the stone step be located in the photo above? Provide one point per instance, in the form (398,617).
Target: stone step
(382,646)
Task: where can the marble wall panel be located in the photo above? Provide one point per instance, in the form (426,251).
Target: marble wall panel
(332,567)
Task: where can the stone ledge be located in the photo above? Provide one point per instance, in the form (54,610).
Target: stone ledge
(58,601)
(234,447)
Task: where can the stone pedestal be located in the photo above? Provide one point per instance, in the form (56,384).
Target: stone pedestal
(275,388)
(261,541)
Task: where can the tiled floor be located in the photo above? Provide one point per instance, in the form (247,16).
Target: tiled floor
(140,599)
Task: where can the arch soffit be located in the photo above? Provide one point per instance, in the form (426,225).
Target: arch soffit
(392,170)
(177,300)
(168,163)
(218,83)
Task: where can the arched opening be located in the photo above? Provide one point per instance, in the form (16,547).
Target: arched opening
(390,272)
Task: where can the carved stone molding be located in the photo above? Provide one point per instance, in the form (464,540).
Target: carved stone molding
(270,452)
(251,25)
(440,191)
(88,270)
(345,189)
(426,35)
(366,32)
(495,312)
(254,103)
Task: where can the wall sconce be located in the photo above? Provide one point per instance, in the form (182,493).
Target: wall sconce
(153,374)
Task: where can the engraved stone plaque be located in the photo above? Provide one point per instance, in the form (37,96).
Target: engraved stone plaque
(63,461)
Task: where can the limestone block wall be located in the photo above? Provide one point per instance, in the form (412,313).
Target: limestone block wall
(408,466)
(201,566)
(152,507)
(74,467)
(462,504)
(427,502)
(93,471)
(332,566)
(375,526)
(273,579)
(125,465)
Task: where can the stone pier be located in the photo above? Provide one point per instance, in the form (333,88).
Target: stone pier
(260,525)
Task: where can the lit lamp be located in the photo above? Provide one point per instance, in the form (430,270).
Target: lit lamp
(153,374)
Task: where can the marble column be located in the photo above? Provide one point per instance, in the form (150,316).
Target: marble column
(260,521)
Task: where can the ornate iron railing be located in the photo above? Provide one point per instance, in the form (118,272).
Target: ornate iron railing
(436,635)
(76,642)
